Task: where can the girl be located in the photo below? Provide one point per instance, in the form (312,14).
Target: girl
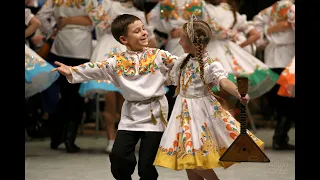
(200,129)
(225,23)
(106,47)
(37,70)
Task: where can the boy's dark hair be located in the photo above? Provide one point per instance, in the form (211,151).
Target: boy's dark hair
(119,26)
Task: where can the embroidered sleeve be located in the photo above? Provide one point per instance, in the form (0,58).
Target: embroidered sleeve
(45,13)
(97,13)
(215,73)
(166,62)
(100,70)
(168,59)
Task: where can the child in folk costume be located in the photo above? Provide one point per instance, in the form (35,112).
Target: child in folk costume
(140,73)
(106,47)
(277,23)
(73,46)
(225,23)
(37,70)
(168,16)
(200,129)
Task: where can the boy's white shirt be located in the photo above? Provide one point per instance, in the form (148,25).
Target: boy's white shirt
(141,81)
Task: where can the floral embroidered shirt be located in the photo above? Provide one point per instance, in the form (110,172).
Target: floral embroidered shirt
(140,76)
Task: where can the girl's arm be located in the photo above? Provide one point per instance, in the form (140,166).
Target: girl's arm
(229,86)
(33,25)
(279,27)
(253,36)
(75,20)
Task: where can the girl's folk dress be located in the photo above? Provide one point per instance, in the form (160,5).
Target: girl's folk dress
(199,130)
(37,70)
(235,59)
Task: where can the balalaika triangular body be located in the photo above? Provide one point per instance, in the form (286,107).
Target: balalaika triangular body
(243,149)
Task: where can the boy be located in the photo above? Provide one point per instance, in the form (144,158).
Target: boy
(140,74)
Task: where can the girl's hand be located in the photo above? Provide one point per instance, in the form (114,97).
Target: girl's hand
(244,100)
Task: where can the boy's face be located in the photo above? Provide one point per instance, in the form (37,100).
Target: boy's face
(137,36)
(185,43)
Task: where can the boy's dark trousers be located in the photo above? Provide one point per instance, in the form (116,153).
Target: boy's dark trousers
(122,157)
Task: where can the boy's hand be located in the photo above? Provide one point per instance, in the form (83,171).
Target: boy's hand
(63,69)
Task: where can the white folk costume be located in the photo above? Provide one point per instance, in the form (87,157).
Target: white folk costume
(287,81)
(72,41)
(37,70)
(107,45)
(170,14)
(235,59)
(140,76)
(281,47)
(199,130)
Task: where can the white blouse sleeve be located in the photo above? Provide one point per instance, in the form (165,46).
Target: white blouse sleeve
(27,16)
(215,72)
(242,24)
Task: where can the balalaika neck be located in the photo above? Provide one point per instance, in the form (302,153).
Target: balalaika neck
(243,119)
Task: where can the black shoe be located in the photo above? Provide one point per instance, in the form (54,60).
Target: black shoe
(72,148)
(284,146)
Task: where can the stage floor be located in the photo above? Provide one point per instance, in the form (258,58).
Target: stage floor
(92,163)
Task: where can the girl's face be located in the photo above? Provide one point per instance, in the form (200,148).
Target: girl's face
(187,46)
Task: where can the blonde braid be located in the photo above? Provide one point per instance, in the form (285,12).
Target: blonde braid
(200,48)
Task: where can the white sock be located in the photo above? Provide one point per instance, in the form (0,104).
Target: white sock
(110,145)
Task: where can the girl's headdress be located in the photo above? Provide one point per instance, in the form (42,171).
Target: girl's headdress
(190,30)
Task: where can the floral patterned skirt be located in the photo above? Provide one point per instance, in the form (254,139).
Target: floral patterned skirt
(198,133)
(239,62)
(37,73)
(287,81)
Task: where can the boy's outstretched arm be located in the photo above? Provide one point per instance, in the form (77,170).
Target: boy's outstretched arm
(100,70)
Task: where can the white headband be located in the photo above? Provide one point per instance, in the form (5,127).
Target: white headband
(190,30)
